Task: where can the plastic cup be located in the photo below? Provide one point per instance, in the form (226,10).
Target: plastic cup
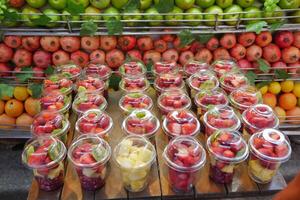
(184,157)
(268,149)
(45,156)
(132,101)
(194,67)
(134,84)
(70,71)
(134,156)
(165,68)
(57,82)
(226,150)
(221,67)
(233,80)
(90,83)
(165,82)
(173,100)
(133,69)
(57,102)
(89,154)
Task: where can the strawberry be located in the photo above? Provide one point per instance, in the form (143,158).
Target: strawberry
(174,128)
(188,129)
(281,150)
(258,142)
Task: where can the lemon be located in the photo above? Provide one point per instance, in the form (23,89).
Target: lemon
(296,90)
(274,88)
(20,93)
(263,90)
(287,86)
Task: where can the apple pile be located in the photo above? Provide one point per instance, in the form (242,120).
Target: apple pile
(132,101)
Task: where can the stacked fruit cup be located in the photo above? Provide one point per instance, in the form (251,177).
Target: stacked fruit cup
(70,71)
(168,81)
(194,67)
(89,155)
(136,100)
(226,149)
(57,82)
(268,149)
(134,156)
(90,83)
(221,67)
(45,156)
(233,80)
(165,68)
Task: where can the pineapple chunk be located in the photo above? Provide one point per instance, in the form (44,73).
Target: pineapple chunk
(55,172)
(137,185)
(262,173)
(145,155)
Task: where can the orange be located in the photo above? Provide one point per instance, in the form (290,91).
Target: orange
(14,108)
(32,106)
(24,120)
(270,99)
(20,93)
(6,120)
(280,113)
(6,98)
(292,113)
(2,105)
(287,101)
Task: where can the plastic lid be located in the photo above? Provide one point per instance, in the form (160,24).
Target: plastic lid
(137,100)
(132,69)
(174,99)
(141,122)
(203,80)
(233,80)
(43,152)
(222,117)
(181,122)
(245,97)
(95,122)
(168,81)
(135,84)
(260,116)
(223,66)
(193,67)
(207,98)
(165,68)
(227,146)
(90,83)
(55,101)
(86,101)
(103,71)
(57,82)
(70,71)
(184,153)
(270,145)
(89,151)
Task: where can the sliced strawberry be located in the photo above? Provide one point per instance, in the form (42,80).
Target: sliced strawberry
(188,129)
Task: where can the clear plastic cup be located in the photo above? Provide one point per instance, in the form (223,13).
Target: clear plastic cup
(221,67)
(94,122)
(173,100)
(233,80)
(259,117)
(134,84)
(89,154)
(45,156)
(133,69)
(90,83)
(56,101)
(241,99)
(86,101)
(181,123)
(134,156)
(132,101)
(226,150)
(165,82)
(141,122)
(268,149)
(70,71)
(49,123)
(57,82)
(193,67)
(165,68)
(184,157)
(220,118)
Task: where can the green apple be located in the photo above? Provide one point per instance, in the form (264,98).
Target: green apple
(234,17)
(100,3)
(138,16)
(197,15)
(213,10)
(289,4)
(85,3)
(10,23)
(145,4)
(274,14)
(252,12)
(245,3)
(185,4)
(28,14)
(113,11)
(58,4)
(297,19)
(156,1)
(91,11)
(205,3)
(173,15)
(119,3)
(224,3)
(36,3)
(153,14)
(53,15)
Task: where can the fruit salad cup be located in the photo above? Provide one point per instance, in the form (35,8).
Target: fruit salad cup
(45,156)
(226,150)
(202,80)
(89,154)
(133,69)
(169,81)
(181,123)
(268,149)
(193,67)
(70,71)
(90,83)
(220,118)
(86,101)
(57,102)
(58,82)
(134,84)
(233,80)
(141,122)
(257,118)
(241,99)
(165,68)
(207,99)
(221,67)
(173,100)
(135,156)
(184,157)
(132,101)
(49,123)
(94,122)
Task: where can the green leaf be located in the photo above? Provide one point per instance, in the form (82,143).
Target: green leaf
(54,150)
(114,81)
(6,90)
(256,27)
(42,20)
(74,8)
(114,26)
(281,74)
(251,76)
(149,65)
(88,28)
(186,37)
(263,66)
(132,5)
(37,89)
(277,25)
(49,70)
(98,152)
(10,16)
(23,77)
(164,6)
(204,38)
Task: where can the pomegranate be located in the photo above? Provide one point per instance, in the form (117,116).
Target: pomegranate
(42,59)
(279,65)
(70,43)
(160,46)
(171,55)
(90,44)
(145,43)
(13,41)
(284,39)
(97,57)
(38,72)
(294,68)
(22,58)
(135,54)
(185,56)
(115,58)
(228,40)
(296,42)
(4,68)
(238,52)
(16,3)
(246,39)
(178,47)
(6,53)
(168,37)
(50,43)
(31,43)
(221,54)
(204,55)
(263,39)
(290,54)
(152,56)
(196,46)
(253,53)
(212,44)
(244,65)
(60,57)
(271,53)
(108,43)
(80,58)
(126,42)
(255,65)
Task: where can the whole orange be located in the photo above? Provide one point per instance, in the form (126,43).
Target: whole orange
(14,108)
(2,105)
(32,106)
(287,101)
(270,99)
(293,115)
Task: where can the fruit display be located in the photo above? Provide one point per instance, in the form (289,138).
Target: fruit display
(165,68)
(168,81)
(89,155)
(90,83)
(55,101)
(192,67)
(226,149)
(57,82)
(221,67)
(133,101)
(132,69)
(71,71)
(135,156)
(268,149)
(134,84)
(232,81)
(184,157)
(45,157)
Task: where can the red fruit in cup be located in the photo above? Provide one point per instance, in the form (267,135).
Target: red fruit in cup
(22,58)
(126,42)
(13,41)
(6,53)
(284,39)
(115,58)
(145,43)
(178,47)
(42,58)
(290,54)
(186,56)
(80,58)
(165,67)
(221,54)
(97,57)
(4,68)
(31,43)
(160,46)
(228,40)
(50,43)
(271,53)
(108,43)
(16,3)
(296,42)
(246,39)
(135,54)
(90,43)
(151,56)
(263,39)
(204,55)
(70,43)
(134,101)
(238,52)
(171,55)
(212,44)
(253,53)
(60,57)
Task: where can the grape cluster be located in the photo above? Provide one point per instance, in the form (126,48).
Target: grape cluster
(270,5)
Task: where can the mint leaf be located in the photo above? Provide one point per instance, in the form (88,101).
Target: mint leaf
(262,65)
(36,89)
(149,65)
(277,25)
(164,6)
(11,16)
(256,27)
(74,8)
(281,74)
(132,5)
(114,81)
(43,20)
(23,77)
(88,28)
(114,26)
(204,38)
(251,76)
(6,90)
(186,37)
(49,70)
